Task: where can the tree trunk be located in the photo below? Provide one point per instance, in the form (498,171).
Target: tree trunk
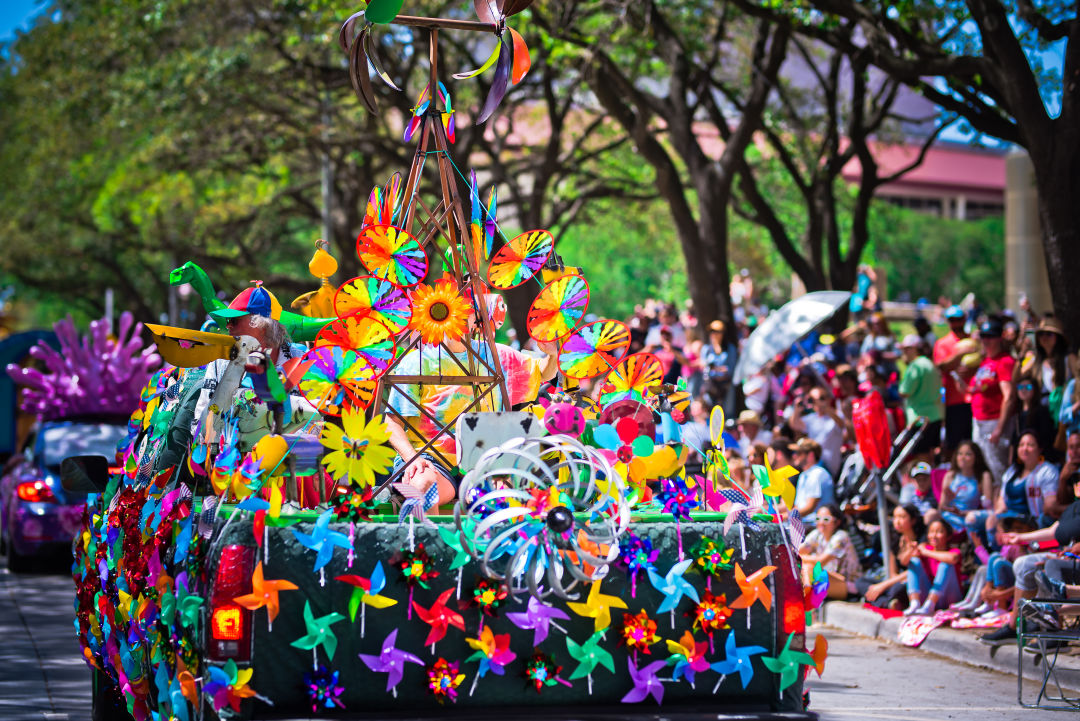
(1057,179)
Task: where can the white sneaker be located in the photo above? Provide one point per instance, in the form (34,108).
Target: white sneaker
(993,613)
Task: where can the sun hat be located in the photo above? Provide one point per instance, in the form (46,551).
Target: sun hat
(1051,325)
(911,341)
(954,311)
(255,300)
(749,416)
(717,325)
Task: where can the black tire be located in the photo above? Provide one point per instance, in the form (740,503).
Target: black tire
(16,562)
(107,703)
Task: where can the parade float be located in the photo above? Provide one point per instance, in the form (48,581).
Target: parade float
(578,564)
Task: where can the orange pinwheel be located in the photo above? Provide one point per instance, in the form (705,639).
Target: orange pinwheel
(264,593)
(753,587)
(821,650)
(439,617)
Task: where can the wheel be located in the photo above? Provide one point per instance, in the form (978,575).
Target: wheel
(17,562)
(106,701)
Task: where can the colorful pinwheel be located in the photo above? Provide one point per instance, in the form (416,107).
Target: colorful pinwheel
(558,309)
(753,588)
(631,378)
(367,592)
(358,451)
(637,555)
(369,339)
(486,596)
(820,653)
(358,45)
(711,613)
(492,652)
(382,206)
(264,593)
(228,685)
(593,349)
(819,587)
(687,656)
(677,498)
(589,655)
(440,617)
(711,557)
(322,540)
(597,606)
(391,253)
(646,683)
(420,109)
(539,617)
(337,378)
(541,670)
(482,225)
(323,688)
(520,259)
(737,659)
(390,661)
(318,631)
(639,631)
(787,663)
(776,483)
(369,297)
(512,55)
(673,586)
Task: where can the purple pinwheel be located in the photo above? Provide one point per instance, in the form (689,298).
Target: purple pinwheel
(637,555)
(645,682)
(390,661)
(538,616)
(736,659)
(322,540)
(677,498)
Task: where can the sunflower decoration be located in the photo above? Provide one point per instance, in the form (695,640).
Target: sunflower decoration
(439,312)
(360,450)
(487,596)
(711,557)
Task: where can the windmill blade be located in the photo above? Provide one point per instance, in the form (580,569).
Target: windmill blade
(358,72)
(498,86)
(376,63)
(513,7)
(522,61)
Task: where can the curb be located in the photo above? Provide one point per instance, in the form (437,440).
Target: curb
(956,644)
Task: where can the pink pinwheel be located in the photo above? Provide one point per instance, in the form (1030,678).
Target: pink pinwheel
(439,617)
(390,661)
(539,617)
(645,682)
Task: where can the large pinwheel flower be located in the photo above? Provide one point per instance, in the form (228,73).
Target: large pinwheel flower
(359,451)
(439,312)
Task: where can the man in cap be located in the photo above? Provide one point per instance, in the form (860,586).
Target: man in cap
(992,396)
(920,492)
(921,388)
(751,432)
(815,485)
(947,359)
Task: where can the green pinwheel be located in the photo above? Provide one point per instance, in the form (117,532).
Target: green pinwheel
(188,606)
(787,662)
(318,631)
(589,655)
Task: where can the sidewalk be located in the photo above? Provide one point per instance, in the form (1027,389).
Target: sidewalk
(956,644)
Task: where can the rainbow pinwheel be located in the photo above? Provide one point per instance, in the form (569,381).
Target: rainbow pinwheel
(819,587)
(228,685)
(520,259)
(558,309)
(421,108)
(673,586)
(737,659)
(482,225)
(390,661)
(637,555)
(539,617)
(589,655)
(440,617)
(753,588)
(711,613)
(597,606)
(646,683)
(776,483)
(512,55)
(632,378)
(318,631)
(492,652)
(677,498)
(443,679)
(787,663)
(369,297)
(368,338)
(593,349)
(356,40)
(382,205)
(391,253)
(687,656)
(366,591)
(264,593)
(711,557)
(541,670)
(639,631)
(335,378)
(358,451)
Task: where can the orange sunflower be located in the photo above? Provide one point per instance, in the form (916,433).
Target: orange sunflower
(439,312)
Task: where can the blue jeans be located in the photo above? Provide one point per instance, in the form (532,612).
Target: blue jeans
(977,527)
(946,583)
(999,572)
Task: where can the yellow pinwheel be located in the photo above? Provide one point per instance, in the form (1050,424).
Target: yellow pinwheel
(598,607)
(777,483)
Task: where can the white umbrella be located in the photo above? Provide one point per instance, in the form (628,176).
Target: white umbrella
(785,327)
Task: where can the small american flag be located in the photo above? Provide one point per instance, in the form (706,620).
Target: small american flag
(796,527)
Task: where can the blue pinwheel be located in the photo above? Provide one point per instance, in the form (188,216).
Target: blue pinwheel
(322,540)
(673,586)
(736,659)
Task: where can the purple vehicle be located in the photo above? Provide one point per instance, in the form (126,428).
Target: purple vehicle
(37,516)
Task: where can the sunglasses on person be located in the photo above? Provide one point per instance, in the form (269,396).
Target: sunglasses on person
(825,519)
(1025,387)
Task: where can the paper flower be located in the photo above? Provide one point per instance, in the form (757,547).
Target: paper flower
(390,661)
(541,670)
(443,679)
(355,504)
(589,655)
(492,651)
(439,312)
(787,663)
(439,617)
(359,451)
(487,596)
(597,606)
(639,631)
(737,659)
(711,613)
(323,689)
(753,588)
(264,593)
(367,591)
(677,498)
(645,681)
(416,567)
(318,631)
(322,540)
(711,557)
(688,657)
(538,616)
(228,685)
(637,555)
(776,483)
(673,586)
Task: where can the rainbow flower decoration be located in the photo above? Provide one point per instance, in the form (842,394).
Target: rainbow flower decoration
(360,450)
(639,632)
(439,312)
(487,596)
(355,504)
(417,567)
(323,689)
(677,498)
(711,613)
(443,679)
(637,555)
(541,671)
(711,556)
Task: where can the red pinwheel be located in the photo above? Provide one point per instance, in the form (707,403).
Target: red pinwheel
(440,617)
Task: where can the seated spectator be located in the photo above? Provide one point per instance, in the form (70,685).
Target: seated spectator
(932,578)
(1027,484)
(814,487)
(920,492)
(751,432)
(1033,415)
(891,592)
(824,425)
(968,492)
(1069,415)
(1071,467)
(831,546)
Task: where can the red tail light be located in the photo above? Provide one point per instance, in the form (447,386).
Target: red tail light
(789,593)
(230,624)
(35,492)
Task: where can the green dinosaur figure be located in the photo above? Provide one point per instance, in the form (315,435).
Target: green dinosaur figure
(300,327)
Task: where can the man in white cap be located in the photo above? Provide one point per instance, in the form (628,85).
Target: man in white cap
(921,388)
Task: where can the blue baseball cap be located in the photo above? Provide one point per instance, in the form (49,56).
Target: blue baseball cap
(954,311)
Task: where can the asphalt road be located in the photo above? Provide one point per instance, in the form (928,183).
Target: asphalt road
(43,677)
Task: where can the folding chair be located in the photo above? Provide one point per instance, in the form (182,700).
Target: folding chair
(1049,642)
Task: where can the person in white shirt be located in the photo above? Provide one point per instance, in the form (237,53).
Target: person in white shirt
(815,484)
(824,425)
(751,432)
